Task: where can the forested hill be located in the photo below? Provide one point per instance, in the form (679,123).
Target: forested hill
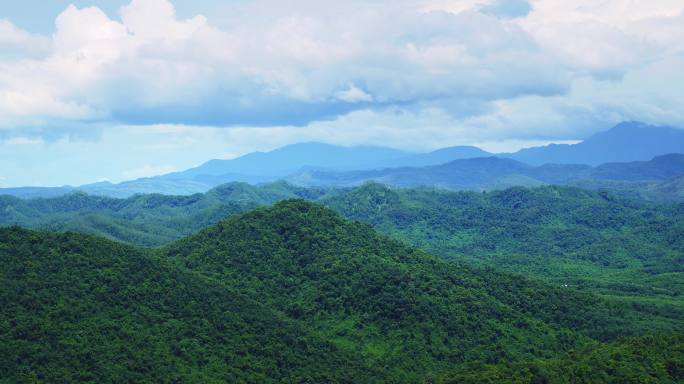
(594,240)
(292,293)
(385,301)
(77,308)
(568,234)
(144,219)
(649,359)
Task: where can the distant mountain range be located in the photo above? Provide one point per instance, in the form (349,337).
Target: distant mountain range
(318,164)
(496,173)
(630,141)
(289,159)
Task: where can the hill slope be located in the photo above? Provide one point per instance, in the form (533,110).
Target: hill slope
(590,239)
(650,359)
(384,301)
(81,309)
(596,240)
(291,293)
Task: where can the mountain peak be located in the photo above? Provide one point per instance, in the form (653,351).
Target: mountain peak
(625,142)
(635,131)
(286,216)
(628,125)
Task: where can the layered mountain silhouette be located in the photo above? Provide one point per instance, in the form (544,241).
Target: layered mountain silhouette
(629,141)
(496,173)
(290,159)
(316,163)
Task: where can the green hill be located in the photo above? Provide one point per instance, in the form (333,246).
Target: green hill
(76,308)
(148,220)
(592,240)
(384,301)
(649,359)
(293,293)
(578,238)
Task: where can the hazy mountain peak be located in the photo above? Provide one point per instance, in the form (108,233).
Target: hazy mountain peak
(627,141)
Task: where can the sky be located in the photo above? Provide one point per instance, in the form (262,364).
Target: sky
(95,90)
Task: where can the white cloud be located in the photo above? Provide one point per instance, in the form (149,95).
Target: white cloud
(606,37)
(309,63)
(16,42)
(156,20)
(353,94)
(24,141)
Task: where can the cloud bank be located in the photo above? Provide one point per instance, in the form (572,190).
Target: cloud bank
(269,64)
(415,74)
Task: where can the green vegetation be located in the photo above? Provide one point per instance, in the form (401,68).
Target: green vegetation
(148,220)
(591,240)
(76,308)
(291,293)
(669,190)
(575,238)
(649,359)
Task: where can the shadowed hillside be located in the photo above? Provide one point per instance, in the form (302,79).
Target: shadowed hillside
(77,308)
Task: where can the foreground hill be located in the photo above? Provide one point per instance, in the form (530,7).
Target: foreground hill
(384,301)
(77,308)
(292,293)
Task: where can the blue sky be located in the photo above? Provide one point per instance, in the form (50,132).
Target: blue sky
(38,16)
(112,90)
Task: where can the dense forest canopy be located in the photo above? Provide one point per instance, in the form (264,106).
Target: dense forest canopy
(291,293)
(76,308)
(591,240)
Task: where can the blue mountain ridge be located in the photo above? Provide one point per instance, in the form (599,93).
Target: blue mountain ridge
(626,142)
